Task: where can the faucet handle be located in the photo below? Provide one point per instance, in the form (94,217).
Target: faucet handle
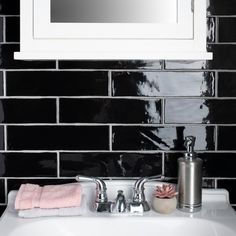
(139,184)
(100,184)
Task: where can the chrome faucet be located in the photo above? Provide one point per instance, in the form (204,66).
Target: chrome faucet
(120,204)
(139,203)
(101,202)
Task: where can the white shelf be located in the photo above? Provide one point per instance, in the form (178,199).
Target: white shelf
(113,56)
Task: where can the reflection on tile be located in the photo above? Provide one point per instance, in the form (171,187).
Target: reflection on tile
(200,111)
(187,65)
(163,83)
(57,83)
(9,7)
(57,137)
(219,7)
(226,138)
(224,58)
(227,84)
(7,59)
(211,29)
(214,164)
(27,110)
(110,111)
(110,64)
(12,29)
(28,164)
(110,164)
(2,191)
(161,138)
(230,186)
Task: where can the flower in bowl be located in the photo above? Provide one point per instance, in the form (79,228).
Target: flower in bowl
(165,191)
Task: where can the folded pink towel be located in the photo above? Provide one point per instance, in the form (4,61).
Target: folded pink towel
(51,196)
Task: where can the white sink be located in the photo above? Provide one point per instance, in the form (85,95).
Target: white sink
(216,218)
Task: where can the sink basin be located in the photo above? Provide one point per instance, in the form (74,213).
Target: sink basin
(216,218)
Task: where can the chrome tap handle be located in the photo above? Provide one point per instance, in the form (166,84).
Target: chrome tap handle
(139,203)
(101,187)
(139,184)
(120,203)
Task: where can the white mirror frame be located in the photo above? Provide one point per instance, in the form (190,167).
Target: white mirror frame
(41,40)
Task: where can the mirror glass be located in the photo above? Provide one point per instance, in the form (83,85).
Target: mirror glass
(114,11)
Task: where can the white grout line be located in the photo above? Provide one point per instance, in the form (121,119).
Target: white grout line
(148,152)
(217,30)
(138,98)
(163,164)
(163,102)
(109,84)
(6,192)
(4,84)
(57,110)
(58,164)
(216,137)
(5,138)
(110,138)
(4,28)
(152,125)
(57,65)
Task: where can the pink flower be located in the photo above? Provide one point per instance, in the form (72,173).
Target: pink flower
(165,191)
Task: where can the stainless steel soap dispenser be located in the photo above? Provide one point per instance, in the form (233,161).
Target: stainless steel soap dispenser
(189,179)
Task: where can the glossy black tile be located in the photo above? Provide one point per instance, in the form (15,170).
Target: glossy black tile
(219,7)
(110,64)
(227,84)
(110,111)
(28,164)
(12,29)
(200,111)
(224,58)
(2,209)
(161,138)
(9,7)
(153,84)
(230,186)
(214,164)
(226,138)
(211,29)
(110,164)
(227,29)
(7,59)
(27,110)
(57,83)
(1,29)
(14,184)
(2,191)
(57,138)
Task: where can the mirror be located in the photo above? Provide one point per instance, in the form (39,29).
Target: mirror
(114,11)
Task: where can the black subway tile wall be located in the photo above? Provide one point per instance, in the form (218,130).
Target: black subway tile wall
(117,119)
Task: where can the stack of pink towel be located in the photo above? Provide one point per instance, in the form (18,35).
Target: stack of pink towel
(52,200)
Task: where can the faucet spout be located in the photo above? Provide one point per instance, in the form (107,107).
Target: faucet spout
(139,203)
(101,202)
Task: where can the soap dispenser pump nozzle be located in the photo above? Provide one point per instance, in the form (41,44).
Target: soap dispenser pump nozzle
(189,144)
